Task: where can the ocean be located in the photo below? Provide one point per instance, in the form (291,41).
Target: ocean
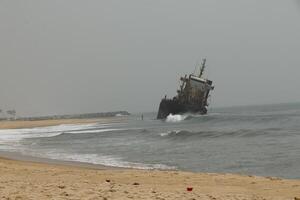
(258,140)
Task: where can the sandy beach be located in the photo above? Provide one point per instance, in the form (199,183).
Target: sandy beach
(31,180)
(17,124)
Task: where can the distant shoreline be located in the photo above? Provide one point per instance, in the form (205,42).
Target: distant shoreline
(69,116)
(19,124)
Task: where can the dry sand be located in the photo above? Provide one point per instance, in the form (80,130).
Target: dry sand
(42,123)
(30,180)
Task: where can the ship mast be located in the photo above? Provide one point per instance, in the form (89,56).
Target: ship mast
(202,67)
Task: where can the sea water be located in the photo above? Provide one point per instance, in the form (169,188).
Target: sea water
(258,140)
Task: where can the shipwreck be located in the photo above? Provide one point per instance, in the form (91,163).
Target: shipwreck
(192,96)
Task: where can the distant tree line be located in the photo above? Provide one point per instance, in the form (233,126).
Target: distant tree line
(78,116)
(10,114)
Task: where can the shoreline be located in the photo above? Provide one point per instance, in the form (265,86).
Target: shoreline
(17,156)
(20,179)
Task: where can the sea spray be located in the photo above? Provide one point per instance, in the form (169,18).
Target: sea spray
(176,118)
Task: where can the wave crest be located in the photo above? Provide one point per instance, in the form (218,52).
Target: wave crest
(175,133)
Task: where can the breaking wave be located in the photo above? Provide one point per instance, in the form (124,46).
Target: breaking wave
(51,131)
(84,133)
(175,133)
(14,136)
(225,133)
(176,118)
(188,116)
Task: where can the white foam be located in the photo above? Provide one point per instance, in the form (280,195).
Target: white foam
(164,134)
(169,133)
(176,118)
(106,160)
(96,131)
(11,136)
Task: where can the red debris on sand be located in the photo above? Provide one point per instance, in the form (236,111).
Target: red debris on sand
(189,189)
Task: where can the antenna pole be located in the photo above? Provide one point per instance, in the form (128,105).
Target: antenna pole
(202,67)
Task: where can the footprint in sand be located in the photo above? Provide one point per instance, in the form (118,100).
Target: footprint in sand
(112,190)
(61,187)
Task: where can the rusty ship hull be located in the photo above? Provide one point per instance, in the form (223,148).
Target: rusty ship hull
(174,107)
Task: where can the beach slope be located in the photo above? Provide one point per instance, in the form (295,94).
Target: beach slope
(30,180)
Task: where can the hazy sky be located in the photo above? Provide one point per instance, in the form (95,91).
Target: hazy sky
(76,56)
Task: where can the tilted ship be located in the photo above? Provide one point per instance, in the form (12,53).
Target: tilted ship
(192,97)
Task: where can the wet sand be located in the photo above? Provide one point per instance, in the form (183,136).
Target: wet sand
(32,180)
